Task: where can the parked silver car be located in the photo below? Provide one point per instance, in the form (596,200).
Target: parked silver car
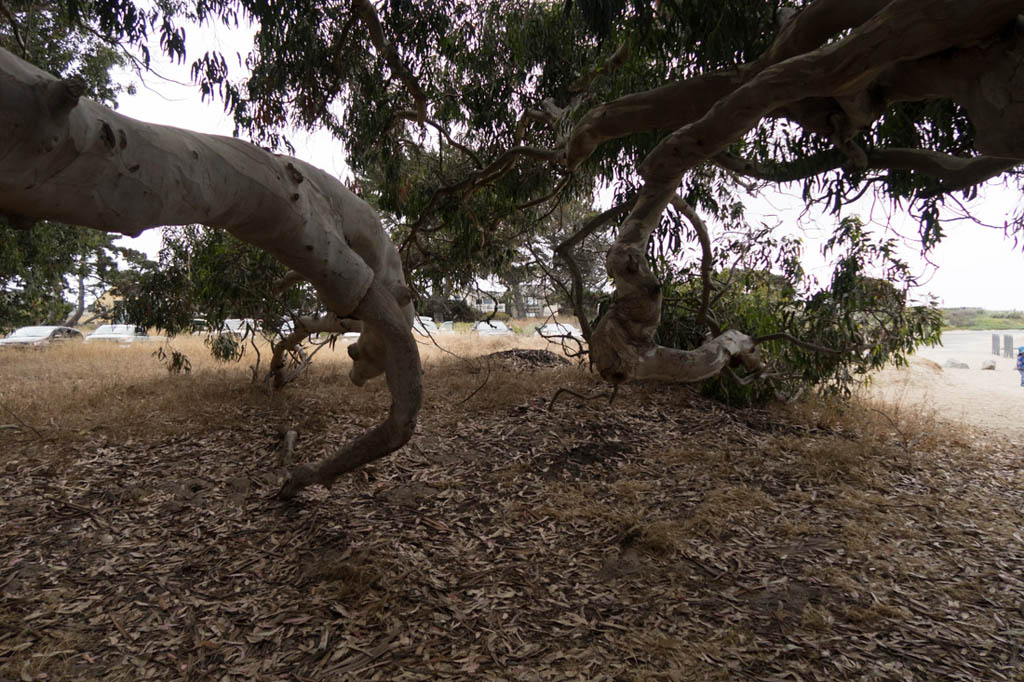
(492,328)
(119,333)
(41,336)
(558,330)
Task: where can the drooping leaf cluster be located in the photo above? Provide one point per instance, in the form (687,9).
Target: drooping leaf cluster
(51,36)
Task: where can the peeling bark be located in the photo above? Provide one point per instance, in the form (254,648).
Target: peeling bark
(71,160)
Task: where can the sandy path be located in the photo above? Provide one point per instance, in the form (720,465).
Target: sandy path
(991,401)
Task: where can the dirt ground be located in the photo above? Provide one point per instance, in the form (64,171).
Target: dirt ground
(991,401)
(660,537)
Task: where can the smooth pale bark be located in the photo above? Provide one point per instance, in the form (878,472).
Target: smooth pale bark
(380,312)
(71,160)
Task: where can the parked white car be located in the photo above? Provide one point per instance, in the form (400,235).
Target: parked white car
(239,327)
(492,328)
(558,330)
(41,336)
(119,333)
(424,326)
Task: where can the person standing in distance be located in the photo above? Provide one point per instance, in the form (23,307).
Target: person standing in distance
(1020,364)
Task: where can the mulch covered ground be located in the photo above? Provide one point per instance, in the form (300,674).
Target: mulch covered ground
(660,537)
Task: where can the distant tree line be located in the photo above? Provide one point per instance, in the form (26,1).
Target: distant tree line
(980,318)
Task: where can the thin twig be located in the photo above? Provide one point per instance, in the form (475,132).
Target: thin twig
(607,394)
(444,132)
(565,252)
(389,53)
(550,195)
(807,345)
(22,421)
(478,388)
(706,262)
(14,29)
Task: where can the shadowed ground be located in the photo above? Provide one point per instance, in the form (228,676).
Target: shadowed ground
(661,537)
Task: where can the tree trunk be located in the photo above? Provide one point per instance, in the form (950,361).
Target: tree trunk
(518,301)
(79,310)
(71,160)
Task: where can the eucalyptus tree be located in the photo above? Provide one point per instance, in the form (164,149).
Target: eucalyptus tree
(71,159)
(40,267)
(471,111)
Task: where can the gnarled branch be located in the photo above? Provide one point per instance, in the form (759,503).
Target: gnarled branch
(75,161)
(706,263)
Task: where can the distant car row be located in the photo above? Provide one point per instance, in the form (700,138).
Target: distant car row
(127,333)
(45,335)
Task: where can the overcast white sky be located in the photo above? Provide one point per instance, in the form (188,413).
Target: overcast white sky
(976,266)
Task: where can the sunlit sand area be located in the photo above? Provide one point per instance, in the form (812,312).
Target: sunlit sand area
(990,400)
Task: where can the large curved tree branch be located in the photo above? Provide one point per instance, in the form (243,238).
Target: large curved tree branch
(68,159)
(381,316)
(663,108)
(815,25)
(781,172)
(955,172)
(368,14)
(903,30)
(688,366)
(674,105)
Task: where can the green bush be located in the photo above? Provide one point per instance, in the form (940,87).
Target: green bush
(849,328)
(451,309)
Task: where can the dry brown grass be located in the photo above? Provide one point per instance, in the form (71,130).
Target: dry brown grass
(76,390)
(658,538)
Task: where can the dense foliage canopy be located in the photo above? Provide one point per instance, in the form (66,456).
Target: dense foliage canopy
(473,125)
